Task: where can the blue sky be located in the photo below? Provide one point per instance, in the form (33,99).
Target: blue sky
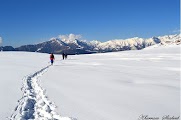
(34,21)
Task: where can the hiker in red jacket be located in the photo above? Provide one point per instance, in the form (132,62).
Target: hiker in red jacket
(52,58)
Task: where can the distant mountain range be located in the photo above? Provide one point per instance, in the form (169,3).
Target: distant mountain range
(58,46)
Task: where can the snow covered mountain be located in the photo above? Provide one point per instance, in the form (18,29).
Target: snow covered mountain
(75,46)
(167,41)
(135,43)
(55,45)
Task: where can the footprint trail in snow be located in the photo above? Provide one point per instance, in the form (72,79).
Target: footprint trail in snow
(34,104)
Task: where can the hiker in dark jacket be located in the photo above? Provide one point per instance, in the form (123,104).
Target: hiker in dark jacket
(52,58)
(66,56)
(63,55)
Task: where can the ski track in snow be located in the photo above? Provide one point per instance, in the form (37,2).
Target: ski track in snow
(34,104)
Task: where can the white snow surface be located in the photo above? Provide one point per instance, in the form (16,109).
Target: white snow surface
(105,86)
(20,71)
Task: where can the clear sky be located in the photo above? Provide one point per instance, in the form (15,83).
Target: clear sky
(34,21)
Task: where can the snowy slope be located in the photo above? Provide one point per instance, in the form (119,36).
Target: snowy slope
(13,67)
(117,86)
(109,86)
(19,72)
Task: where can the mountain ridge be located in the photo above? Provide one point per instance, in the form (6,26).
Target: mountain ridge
(76,46)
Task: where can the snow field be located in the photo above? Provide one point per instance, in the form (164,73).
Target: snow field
(107,86)
(116,86)
(34,104)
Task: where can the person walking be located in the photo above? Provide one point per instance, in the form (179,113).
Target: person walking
(52,58)
(63,55)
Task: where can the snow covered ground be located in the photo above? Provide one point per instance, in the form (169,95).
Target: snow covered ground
(13,67)
(109,86)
